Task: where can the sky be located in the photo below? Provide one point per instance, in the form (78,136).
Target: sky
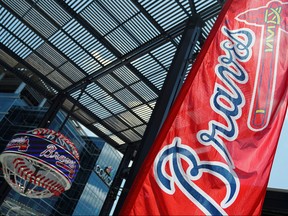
(279,173)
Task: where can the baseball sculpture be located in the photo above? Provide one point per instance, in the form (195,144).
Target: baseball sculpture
(40,163)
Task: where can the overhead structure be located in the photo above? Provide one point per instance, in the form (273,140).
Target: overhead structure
(107,59)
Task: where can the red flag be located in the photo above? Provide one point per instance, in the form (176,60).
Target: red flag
(214,153)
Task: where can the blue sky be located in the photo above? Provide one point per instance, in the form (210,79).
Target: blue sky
(279,173)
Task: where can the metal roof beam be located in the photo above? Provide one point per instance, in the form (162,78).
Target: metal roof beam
(27,65)
(106,43)
(212,11)
(192,6)
(64,96)
(95,130)
(118,22)
(154,22)
(35,6)
(44,14)
(50,82)
(39,10)
(25,79)
(42,58)
(131,56)
(117,133)
(41,36)
(88,27)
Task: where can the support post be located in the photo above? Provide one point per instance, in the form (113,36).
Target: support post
(120,175)
(20,88)
(4,190)
(70,111)
(52,111)
(172,84)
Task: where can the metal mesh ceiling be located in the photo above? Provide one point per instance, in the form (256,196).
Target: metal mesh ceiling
(109,58)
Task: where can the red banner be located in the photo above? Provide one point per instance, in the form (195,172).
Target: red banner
(214,154)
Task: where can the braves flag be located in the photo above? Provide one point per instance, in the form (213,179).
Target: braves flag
(214,154)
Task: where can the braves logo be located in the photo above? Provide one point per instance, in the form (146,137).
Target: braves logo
(271,19)
(227,101)
(172,155)
(22,143)
(66,163)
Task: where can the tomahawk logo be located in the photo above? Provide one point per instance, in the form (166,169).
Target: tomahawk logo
(22,143)
(237,51)
(173,156)
(269,18)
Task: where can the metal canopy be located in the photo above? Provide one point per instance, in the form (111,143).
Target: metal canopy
(116,54)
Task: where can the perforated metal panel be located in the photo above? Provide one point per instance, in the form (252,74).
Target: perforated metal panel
(110,59)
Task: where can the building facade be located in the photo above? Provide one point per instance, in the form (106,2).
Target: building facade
(20,112)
